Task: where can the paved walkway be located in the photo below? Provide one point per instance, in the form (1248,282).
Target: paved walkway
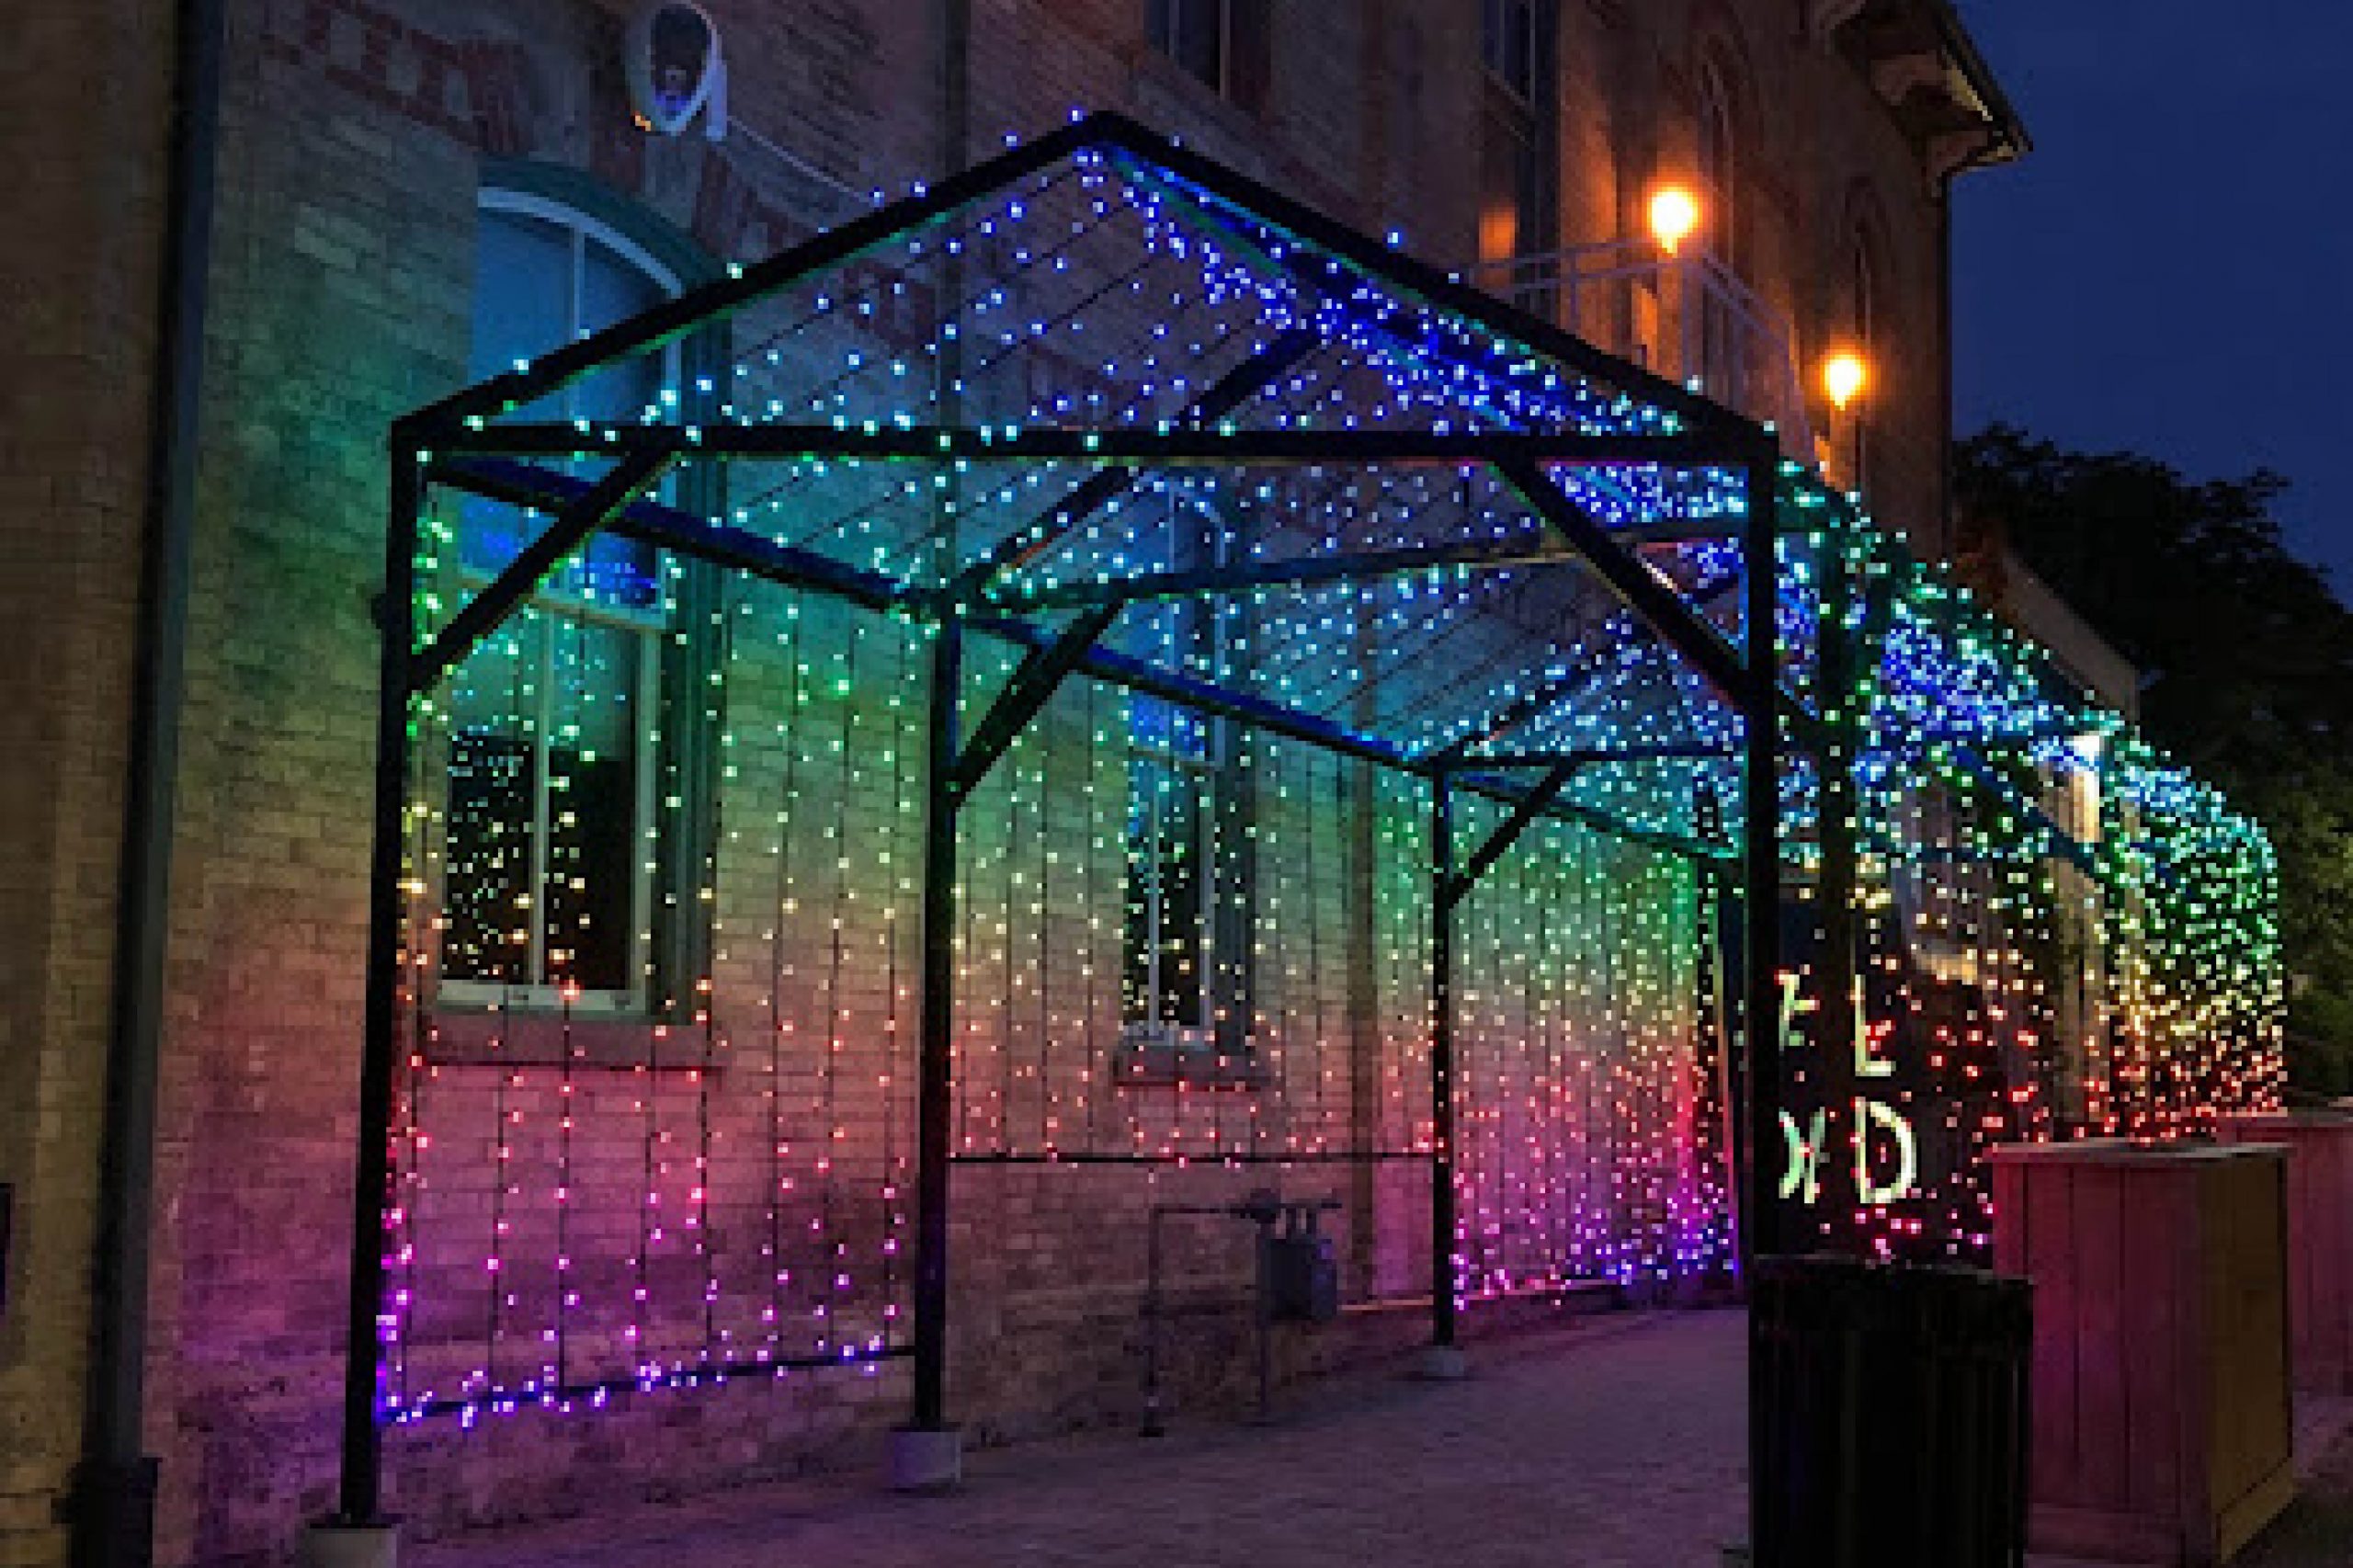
(1612,1444)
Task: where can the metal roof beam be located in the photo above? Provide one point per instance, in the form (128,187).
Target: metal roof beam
(1155,445)
(1253,576)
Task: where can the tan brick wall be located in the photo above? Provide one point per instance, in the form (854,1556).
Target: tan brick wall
(351,155)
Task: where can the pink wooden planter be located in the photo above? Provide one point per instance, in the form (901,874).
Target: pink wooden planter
(2320,1237)
(2161,1414)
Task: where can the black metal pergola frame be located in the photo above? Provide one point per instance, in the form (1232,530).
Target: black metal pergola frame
(460,443)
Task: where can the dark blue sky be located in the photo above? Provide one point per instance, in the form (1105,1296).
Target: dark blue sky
(2171,270)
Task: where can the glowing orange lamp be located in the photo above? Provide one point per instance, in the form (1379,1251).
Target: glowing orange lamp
(1674,216)
(1844,376)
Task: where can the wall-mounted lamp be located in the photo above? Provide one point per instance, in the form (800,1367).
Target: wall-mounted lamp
(1845,376)
(1674,216)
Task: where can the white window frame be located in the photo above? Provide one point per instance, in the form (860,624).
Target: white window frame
(650,626)
(1723,368)
(1199,774)
(1203,773)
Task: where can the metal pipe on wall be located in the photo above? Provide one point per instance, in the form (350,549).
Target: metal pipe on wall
(113,1508)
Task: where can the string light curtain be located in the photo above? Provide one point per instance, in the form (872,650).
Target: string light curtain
(1290,518)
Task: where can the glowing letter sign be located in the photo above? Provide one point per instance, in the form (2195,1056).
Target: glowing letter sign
(1877,1123)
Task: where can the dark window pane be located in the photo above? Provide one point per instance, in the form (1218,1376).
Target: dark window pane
(1183,883)
(592,805)
(610,571)
(489,859)
(1165,935)
(1509,193)
(1514,177)
(523,303)
(547,817)
(1507,38)
(1192,33)
(612,289)
(493,787)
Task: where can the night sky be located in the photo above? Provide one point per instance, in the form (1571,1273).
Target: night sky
(2169,271)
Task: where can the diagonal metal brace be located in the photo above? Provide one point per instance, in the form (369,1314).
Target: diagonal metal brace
(1228,392)
(579,517)
(1643,592)
(1576,683)
(1751,692)
(1454,886)
(2084,858)
(1032,685)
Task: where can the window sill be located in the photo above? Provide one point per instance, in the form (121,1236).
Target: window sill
(474,1036)
(1188,1064)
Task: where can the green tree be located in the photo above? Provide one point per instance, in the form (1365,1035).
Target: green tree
(2246,655)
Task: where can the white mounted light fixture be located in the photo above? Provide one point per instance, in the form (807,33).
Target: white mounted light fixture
(675,70)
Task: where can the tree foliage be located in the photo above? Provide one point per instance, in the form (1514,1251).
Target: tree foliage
(2246,655)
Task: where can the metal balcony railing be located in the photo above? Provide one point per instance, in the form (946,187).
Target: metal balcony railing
(1687,316)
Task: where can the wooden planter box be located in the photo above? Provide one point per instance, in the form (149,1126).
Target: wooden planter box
(2161,1419)
(2320,1237)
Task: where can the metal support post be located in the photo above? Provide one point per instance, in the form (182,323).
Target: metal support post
(1760,1023)
(1835,970)
(360,1493)
(935,1031)
(1444,1282)
(1761,875)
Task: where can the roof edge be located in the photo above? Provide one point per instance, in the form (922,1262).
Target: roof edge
(2011,140)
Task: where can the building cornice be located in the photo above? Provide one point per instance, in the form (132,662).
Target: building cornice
(1919,58)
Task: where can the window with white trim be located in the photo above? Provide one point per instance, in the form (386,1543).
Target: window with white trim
(1861,329)
(1518,165)
(551,835)
(1723,367)
(1225,45)
(1169,951)
(1186,930)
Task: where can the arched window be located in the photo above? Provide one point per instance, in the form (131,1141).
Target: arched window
(1187,969)
(1722,346)
(550,834)
(1519,162)
(1861,291)
(1720,160)
(1862,334)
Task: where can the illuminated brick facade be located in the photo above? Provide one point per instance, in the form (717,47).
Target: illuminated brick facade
(356,144)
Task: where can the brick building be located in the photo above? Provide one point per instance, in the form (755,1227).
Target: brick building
(402,197)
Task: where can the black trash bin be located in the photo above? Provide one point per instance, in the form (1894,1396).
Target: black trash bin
(1895,1402)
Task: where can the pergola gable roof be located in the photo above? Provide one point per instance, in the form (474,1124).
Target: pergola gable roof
(1099,378)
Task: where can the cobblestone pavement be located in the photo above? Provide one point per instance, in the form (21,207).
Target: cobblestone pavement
(1615,1443)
